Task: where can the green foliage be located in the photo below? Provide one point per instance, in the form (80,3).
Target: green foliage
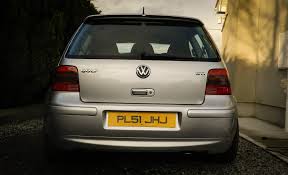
(35,33)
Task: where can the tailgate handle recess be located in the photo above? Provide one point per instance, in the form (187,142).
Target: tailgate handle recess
(143,92)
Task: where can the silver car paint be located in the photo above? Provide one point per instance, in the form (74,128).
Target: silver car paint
(207,127)
(206,122)
(174,82)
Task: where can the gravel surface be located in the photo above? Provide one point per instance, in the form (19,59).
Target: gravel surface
(21,152)
(19,128)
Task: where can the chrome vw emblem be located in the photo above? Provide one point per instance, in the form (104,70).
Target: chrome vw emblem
(143,71)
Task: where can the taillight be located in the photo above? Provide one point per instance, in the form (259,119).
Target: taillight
(66,79)
(218,82)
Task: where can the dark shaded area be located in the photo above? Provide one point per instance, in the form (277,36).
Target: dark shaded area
(25,155)
(34,34)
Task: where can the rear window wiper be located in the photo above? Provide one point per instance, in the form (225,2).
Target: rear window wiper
(145,56)
(176,58)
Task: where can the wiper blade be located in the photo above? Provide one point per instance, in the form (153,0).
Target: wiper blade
(144,56)
(176,58)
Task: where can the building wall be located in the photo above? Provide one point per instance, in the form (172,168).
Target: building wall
(251,48)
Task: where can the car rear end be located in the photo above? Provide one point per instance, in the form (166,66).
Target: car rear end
(141,83)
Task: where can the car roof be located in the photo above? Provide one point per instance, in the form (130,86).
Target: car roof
(139,17)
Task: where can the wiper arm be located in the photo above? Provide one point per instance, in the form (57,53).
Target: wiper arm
(145,56)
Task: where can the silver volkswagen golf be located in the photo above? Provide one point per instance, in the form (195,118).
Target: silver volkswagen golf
(142,83)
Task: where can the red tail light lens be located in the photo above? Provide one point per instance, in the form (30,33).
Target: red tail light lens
(218,82)
(66,79)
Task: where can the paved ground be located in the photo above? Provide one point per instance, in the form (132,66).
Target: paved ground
(21,152)
(266,135)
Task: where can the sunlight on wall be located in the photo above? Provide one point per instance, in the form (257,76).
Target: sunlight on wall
(251,50)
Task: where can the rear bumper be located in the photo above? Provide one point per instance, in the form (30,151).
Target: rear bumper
(140,144)
(82,126)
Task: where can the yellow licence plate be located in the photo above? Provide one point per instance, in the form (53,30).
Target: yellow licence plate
(142,119)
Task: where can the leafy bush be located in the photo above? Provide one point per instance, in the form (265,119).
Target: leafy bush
(34,34)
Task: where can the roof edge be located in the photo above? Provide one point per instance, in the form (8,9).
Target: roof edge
(144,16)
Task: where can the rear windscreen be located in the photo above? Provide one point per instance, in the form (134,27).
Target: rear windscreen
(142,40)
